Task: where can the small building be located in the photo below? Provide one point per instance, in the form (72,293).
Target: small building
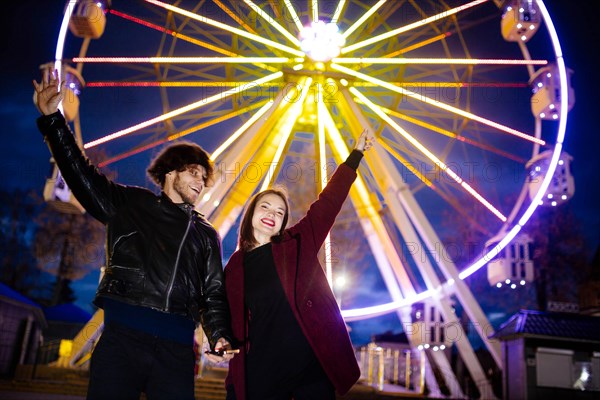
(21,325)
(549,355)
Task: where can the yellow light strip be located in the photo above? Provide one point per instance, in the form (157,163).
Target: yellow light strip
(286,129)
(486,147)
(408,27)
(407,164)
(216,120)
(234,16)
(461,61)
(186,60)
(226,27)
(438,104)
(241,130)
(338,11)
(427,153)
(275,24)
(322,176)
(179,111)
(293,14)
(315,10)
(417,45)
(339,145)
(362,19)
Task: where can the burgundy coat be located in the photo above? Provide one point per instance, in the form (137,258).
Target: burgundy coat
(306,288)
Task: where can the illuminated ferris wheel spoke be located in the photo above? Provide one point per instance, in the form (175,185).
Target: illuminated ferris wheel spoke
(436,161)
(186,60)
(418,45)
(178,111)
(438,61)
(286,128)
(394,150)
(338,11)
(261,149)
(237,150)
(181,133)
(235,135)
(271,21)
(234,16)
(314,5)
(390,264)
(362,19)
(453,135)
(407,164)
(447,84)
(408,27)
(174,34)
(438,104)
(227,28)
(293,14)
(211,83)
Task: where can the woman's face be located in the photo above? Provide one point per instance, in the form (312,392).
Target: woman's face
(268,216)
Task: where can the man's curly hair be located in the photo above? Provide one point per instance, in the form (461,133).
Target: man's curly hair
(177,157)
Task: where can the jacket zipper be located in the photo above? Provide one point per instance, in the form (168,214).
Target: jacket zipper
(172,280)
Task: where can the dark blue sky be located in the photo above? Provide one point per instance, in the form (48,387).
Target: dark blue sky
(29,31)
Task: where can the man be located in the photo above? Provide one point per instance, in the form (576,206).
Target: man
(164,272)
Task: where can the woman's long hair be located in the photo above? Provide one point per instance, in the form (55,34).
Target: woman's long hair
(246,239)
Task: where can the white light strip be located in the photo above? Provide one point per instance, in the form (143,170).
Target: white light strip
(60,43)
(241,130)
(338,11)
(436,61)
(377,109)
(226,27)
(179,111)
(382,309)
(406,28)
(315,10)
(322,176)
(438,104)
(186,60)
(362,19)
(275,24)
(291,117)
(295,17)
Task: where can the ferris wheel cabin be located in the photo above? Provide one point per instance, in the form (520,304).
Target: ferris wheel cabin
(562,186)
(513,266)
(520,21)
(545,85)
(88,19)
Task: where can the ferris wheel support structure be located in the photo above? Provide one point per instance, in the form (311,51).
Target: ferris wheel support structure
(398,198)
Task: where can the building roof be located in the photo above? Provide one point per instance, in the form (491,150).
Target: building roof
(67,312)
(11,294)
(528,323)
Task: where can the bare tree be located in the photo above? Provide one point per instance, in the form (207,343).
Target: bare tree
(68,246)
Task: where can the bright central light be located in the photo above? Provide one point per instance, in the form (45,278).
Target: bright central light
(321,41)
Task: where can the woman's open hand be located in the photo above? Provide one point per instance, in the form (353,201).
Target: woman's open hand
(49,92)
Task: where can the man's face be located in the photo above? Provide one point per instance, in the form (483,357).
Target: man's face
(188,184)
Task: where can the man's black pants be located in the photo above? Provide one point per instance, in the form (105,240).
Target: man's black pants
(127,362)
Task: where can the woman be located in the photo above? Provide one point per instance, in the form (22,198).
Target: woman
(284,316)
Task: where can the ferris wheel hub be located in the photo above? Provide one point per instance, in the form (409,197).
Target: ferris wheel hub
(321,41)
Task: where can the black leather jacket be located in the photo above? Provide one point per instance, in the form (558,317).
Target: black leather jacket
(159,254)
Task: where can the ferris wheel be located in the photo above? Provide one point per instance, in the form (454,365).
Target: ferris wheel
(446,86)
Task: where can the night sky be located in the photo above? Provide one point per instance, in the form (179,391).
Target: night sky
(29,31)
